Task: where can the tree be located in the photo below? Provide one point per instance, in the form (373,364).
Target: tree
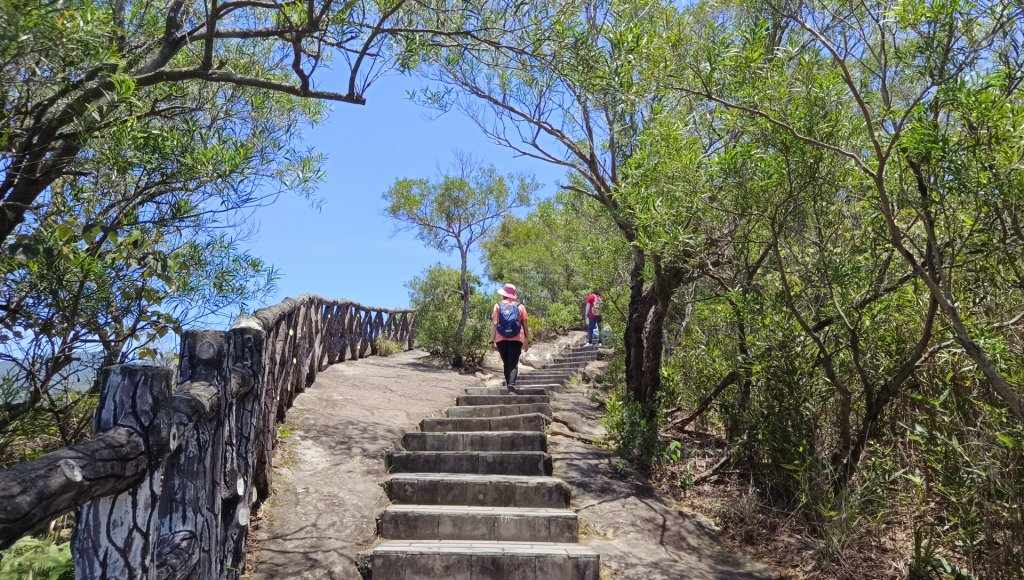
(577,89)
(914,79)
(130,157)
(437,297)
(128,61)
(456,211)
(858,133)
(142,246)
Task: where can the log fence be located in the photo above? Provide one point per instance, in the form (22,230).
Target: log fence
(168,484)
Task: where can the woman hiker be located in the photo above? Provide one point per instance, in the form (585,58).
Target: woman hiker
(510,333)
(592,311)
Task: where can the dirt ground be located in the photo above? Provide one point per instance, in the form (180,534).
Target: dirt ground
(331,459)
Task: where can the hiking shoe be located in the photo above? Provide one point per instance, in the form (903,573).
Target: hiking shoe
(512,389)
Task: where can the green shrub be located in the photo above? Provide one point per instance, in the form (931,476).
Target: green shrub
(438,303)
(633,436)
(969,464)
(558,318)
(42,558)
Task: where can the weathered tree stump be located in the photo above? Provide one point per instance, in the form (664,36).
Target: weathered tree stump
(115,536)
(194,476)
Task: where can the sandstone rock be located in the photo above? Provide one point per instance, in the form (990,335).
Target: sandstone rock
(542,355)
(571,339)
(537,358)
(595,370)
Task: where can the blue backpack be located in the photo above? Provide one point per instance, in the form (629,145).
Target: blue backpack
(509,325)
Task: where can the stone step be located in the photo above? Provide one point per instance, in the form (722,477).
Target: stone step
(560,365)
(541,380)
(552,371)
(469,560)
(478,490)
(498,410)
(545,372)
(569,364)
(522,422)
(528,381)
(503,391)
(479,462)
(476,441)
(478,523)
(469,400)
(550,387)
(574,359)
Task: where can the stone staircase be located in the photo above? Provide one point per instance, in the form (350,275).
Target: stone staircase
(472,495)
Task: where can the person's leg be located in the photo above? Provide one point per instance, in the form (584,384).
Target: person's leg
(591,324)
(515,348)
(598,329)
(503,350)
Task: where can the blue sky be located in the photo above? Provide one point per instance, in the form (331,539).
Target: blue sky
(345,249)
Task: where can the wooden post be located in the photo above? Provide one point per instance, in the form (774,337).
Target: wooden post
(352,332)
(376,328)
(307,355)
(366,330)
(277,367)
(190,509)
(403,331)
(344,331)
(265,432)
(246,368)
(283,366)
(412,330)
(116,535)
(325,336)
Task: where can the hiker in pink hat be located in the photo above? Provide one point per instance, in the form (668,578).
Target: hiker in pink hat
(510,333)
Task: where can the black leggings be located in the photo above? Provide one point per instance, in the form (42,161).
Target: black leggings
(509,351)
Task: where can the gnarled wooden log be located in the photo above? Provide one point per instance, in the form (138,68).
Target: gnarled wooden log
(37,491)
(193,476)
(115,536)
(243,438)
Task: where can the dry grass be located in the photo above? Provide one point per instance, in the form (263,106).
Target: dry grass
(282,457)
(778,538)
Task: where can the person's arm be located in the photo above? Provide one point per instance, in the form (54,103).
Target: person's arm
(526,329)
(494,328)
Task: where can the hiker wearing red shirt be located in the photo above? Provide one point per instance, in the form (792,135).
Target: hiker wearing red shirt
(509,337)
(593,313)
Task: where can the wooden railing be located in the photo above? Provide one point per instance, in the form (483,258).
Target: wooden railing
(167,485)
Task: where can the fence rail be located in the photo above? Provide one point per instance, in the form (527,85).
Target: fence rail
(167,485)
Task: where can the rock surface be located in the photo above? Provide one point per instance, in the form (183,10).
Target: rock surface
(543,354)
(327,471)
(329,468)
(595,370)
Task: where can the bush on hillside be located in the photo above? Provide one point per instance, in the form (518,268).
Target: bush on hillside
(438,302)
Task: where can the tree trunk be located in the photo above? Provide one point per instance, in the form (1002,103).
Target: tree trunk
(460,332)
(633,339)
(737,424)
(644,330)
